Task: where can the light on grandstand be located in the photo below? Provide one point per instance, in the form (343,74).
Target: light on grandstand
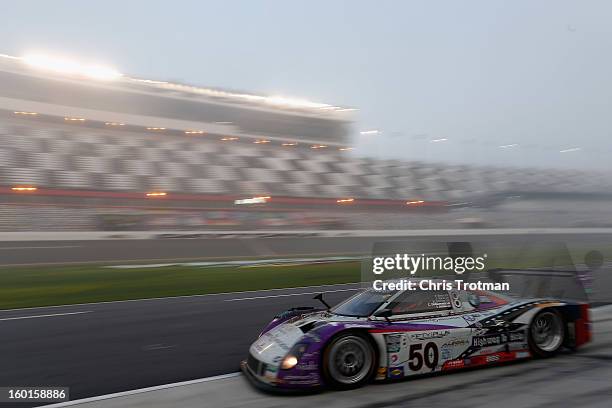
(370,132)
(318,147)
(70,67)
(194,132)
(114,124)
(345,200)
(296,103)
(414,202)
(156,129)
(157,194)
(25,113)
(344,149)
(253,200)
(24,188)
(228,139)
(508,146)
(68,119)
(279,101)
(261,141)
(439,140)
(8,56)
(289,144)
(573,149)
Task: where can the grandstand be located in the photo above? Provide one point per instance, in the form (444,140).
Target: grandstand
(133,154)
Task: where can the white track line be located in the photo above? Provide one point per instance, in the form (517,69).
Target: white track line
(39,247)
(142,390)
(313,234)
(182,296)
(171,385)
(288,294)
(45,315)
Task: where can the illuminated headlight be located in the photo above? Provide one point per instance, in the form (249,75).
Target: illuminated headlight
(294,355)
(289,362)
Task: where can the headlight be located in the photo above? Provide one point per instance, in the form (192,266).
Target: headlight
(289,362)
(294,355)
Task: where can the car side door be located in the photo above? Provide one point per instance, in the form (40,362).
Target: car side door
(429,332)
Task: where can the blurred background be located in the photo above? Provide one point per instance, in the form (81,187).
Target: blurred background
(189,152)
(449,121)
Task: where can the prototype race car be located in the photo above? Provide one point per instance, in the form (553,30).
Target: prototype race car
(377,335)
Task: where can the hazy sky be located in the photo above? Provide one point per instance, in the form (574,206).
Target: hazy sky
(481,74)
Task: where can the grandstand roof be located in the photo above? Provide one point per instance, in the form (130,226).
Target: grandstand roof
(162,104)
(62,67)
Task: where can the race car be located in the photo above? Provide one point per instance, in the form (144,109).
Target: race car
(376,335)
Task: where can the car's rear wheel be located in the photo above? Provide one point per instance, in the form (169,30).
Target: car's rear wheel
(348,361)
(546,333)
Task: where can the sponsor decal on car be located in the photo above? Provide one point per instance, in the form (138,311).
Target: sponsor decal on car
(453,364)
(453,347)
(395,342)
(381,373)
(488,340)
(457,342)
(446,352)
(276,336)
(472,317)
(396,372)
(517,336)
(309,366)
(314,354)
(435,334)
(492,358)
(497,339)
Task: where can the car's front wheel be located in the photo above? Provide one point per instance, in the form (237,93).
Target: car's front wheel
(349,361)
(546,333)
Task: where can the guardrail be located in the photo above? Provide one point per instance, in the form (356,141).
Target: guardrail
(117,235)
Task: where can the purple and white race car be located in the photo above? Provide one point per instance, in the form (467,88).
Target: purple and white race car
(390,335)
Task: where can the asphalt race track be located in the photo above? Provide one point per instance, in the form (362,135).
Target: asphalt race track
(118,346)
(104,348)
(579,379)
(154,250)
(111,347)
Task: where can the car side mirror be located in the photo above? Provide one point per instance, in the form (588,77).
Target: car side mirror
(384,313)
(319,297)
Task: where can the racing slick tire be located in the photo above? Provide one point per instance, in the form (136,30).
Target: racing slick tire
(349,361)
(546,333)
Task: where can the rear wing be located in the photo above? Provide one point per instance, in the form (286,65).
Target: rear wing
(542,283)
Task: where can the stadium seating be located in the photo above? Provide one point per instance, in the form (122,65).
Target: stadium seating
(82,158)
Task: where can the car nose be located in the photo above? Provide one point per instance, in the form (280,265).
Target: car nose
(274,345)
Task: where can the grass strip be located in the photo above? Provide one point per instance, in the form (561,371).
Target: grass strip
(47,286)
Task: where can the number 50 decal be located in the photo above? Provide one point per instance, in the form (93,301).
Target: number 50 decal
(429,356)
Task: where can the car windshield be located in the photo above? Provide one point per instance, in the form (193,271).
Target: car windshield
(420,301)
(362,304)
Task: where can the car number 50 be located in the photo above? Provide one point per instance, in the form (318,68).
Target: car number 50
(419,356)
